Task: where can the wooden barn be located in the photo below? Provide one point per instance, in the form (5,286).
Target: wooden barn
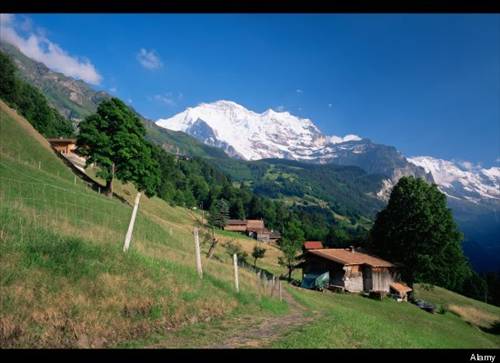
(64,146)
(350,270)
(254,228)
(236,225)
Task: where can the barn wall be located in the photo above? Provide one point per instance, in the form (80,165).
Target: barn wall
(381,279)
(367,278)
(353,279)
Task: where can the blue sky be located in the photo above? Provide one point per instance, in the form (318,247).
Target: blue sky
(427,84)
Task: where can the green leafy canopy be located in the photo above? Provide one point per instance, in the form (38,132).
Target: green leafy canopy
(113,138)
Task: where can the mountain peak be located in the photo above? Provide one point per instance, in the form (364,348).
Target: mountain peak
(462,179)
(249,135)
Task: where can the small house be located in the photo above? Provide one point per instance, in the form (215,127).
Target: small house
(254,228)
(348,269)
(63,146)
(254,225)
(236,225)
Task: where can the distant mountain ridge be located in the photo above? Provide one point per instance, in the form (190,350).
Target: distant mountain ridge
(248,135)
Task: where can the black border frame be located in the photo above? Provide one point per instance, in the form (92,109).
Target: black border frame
(250,6)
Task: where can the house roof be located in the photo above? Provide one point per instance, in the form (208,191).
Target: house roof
(400,287)
(313,245)
(345,256)
(255,224)
(61,140)
(236,221)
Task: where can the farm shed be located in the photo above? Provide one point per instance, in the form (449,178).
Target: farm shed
(236,225)
(401,290)
(254,228)
(349,269)
(64,146)
(255,225)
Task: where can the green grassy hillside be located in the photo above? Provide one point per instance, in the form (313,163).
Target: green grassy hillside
(348,321)
(64,280)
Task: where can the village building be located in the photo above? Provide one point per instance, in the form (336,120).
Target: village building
(351,270)
(63,146)
(254,228)
(236,225)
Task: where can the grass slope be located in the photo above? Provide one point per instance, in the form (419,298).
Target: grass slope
(64,281)
(351,321)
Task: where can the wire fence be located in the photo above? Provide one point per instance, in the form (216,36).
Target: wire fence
(70,207)
(31,198)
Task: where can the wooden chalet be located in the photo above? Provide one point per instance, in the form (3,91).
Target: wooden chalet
(350,270)
(236,225)
(254,228)
(63,146)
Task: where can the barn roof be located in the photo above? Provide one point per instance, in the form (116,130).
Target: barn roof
(255,224)
(313,245)
(345,256)
(235,221)
(400,287)
(61,140)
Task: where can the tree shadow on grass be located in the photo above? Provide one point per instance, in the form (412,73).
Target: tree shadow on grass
(493,328)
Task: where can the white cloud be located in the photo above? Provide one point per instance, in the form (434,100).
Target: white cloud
(149,59)
(37,46)
(299,91)
(169,98)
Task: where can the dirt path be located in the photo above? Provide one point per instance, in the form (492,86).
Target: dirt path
(244,331)
(264,332)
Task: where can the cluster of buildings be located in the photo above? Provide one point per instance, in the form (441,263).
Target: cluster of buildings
(254,228)
(351,270)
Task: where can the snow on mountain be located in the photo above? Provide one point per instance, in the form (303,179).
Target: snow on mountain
(462,180)
(251,136)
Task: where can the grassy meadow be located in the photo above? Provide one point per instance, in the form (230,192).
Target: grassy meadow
(64,280)
(354,321)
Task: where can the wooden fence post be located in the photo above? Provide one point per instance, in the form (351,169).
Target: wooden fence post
(236,282)
(39,165)
(128,237)
(279,286)
(197,252)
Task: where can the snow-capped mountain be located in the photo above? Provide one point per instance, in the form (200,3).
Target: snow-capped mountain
(462,180)
(251,136)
